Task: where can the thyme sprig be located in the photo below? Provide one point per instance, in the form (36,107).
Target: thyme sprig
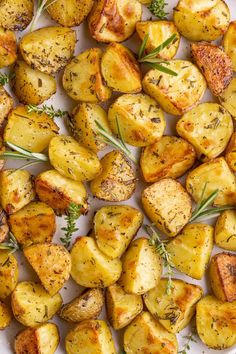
(42,5)
(160,246)
(190,338)
(11,244)
(6,78)
(22,154)
(73,214)
(157,7)
(49,110)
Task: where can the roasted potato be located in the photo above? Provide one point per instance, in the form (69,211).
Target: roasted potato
(6,104)
(42,339)
(202,20)
(208,127)
(229,43)
(140,119)
(8,47)
(214,174)
(32,305)
(73,160)
(159,32)
(147,335)
(168,205)
(5,316)
(225,230)
(31,131)
(87,306)
(58,192)
(16,189)
(230,155)
(16,14)
(114,228)
(120,69)
(176,94)
(216,322)
(94,336)
(91,267)
(117,181)
(82,78)
(2,150)
(228,98)
(48,49)
(115,20)
(170,157)
(141,267)
(52,263)
(215,65)
(122,308)
(4,228)
(8,273)
(191,250)
(174,310)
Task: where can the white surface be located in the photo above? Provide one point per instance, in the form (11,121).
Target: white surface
(71,290)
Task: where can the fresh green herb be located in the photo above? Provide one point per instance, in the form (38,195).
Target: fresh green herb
(190,338)
(6,78)
(73,213)
(10,245)
(157,7)
(42,5)
(22,154)
(49,110)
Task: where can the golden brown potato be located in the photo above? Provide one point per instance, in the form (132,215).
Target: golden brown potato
(115,20)
(120,69)
(147,335)
(230,155)
(8,47)
(42,339)
(141,267)
(140,119)
(229,43)
(6,104)
(170,157)
(168,205)
(94,336)
(58,191)
(4,228)
(87,306)
(215,65)
(174,310)
(32,305)
(82,78)
(208,127)
(117,181)
(16,14)
(216,322)
(228,98)
(191,250)
(5,316)
(48,49)
(176,94)
(92,268)
(214,174)
(225,230)
(8,273)
(122,308)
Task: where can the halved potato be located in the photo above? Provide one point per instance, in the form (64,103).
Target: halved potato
(16,14)
(8,47)
(225,230)
(228,98)
(8,273)
(140,119)
(176,94)
(229,42)
(4,228)
(5,315)
(6,104)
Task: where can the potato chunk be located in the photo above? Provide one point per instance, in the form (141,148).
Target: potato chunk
(191,250)
(8,273)
(216,322)
(8,47)
(225,230)
(16,14)
(174,311)
(142,267)
(176,94)
(140,119)
(92,268)
(4,228)
(5,315)
(229,43)
(208,127)
(168,205)
(146,335)
(230,153)
(32,305)
(42,339)
(6,104)
(228,98)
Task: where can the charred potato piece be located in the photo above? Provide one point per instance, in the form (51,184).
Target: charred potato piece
(115,20)
(225,230)
(117,180)
(4,228)
(5,316)
(176,94)
(228,98)
(16,14)
(6,104)
(48,49)
(141,121)
(8,47)
(229,43)
(8,273)
(87,306)
(230,153)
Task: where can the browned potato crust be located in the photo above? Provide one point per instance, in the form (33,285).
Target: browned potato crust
(5,315)
(4,228)
(230,153)
(8,47)
(6,104)
(16,14)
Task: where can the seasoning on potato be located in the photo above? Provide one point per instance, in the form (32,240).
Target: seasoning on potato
(8,273)
(229,42)
(225,230)
(16,14)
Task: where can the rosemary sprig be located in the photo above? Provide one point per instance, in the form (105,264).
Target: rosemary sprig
(49,110)
(116,143)
(157,7)
(6,78)
(190,338)
(73,213)
(11,244)
(160,246)
(42,5)
(22,154)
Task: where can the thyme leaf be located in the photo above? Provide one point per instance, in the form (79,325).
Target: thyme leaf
(49,110)
(11,244)
(73,214)
(157,7)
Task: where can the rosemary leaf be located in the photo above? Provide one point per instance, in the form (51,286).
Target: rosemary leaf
(143,46)
(157,7)
(162,69)
(49,110)
(42,5)
(11,244)
(6,78)
(73,213)
(22,154)
(158,49)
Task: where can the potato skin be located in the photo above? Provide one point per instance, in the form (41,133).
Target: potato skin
(4,228)
(5,315)
(8,273)
(6,104)
(228,98)
(8,47)
(225,230)
(228,43)
(16,14)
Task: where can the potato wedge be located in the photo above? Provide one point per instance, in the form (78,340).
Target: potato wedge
(42,339)
(147,335)
(229,41)
(48,49)
(16,14)
(87,306)
(8,47)
(115,20)
(228,98)
(120,69)
(32,305)
(82,78)
(140,119)
(117,181)
(141,267)
(216,322)
(191,250)
(4,228)
(122,308)
(225,230)
(6,104)
(176,94)
(208,127)
(8,273)
(92,268)
(5,315)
